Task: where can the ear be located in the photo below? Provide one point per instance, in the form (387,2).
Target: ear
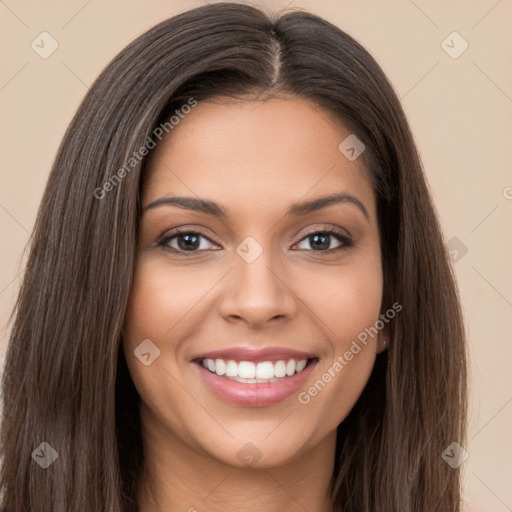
(383,339)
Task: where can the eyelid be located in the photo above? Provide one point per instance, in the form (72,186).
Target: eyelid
(327,229)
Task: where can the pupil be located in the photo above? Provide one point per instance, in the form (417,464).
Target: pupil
(187,242)
(324,242)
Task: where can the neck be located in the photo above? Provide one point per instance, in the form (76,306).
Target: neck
(176,477)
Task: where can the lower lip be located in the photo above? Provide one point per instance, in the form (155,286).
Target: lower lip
(256,394)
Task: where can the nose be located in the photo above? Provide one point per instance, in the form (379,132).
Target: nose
(257,293)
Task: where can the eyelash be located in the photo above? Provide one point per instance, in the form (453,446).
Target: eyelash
(346,242)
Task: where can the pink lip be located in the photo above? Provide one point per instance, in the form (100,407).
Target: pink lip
(256,394)
(255,355)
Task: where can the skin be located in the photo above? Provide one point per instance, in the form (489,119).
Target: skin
(255,158)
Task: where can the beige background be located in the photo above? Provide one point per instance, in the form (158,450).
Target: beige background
(459,109)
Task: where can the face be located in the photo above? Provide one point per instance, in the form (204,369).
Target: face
(250,298)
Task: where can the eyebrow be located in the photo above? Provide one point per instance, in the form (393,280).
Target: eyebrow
(297,209)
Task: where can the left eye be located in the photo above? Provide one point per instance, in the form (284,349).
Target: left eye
(320,241)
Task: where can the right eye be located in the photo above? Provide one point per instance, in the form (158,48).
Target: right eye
(182,241)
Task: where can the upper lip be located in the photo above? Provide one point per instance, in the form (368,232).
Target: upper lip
(255,355)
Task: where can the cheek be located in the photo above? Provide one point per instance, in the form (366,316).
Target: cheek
(158,300)
(345,299)
(161,296)
(347,302)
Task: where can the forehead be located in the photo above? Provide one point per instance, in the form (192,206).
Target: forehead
(263,153)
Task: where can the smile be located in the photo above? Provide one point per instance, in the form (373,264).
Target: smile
(254,378)
(253,373)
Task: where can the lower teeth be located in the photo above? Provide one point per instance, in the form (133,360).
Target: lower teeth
(252,381)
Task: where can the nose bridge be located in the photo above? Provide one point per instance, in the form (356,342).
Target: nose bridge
(257,292)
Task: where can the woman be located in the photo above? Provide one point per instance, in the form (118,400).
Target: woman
(237,296)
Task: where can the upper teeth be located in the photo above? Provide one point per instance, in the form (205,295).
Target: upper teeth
(264,370)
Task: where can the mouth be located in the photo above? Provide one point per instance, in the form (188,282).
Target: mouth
(255,378)
(249,372)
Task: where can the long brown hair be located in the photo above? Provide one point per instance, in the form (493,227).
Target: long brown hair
(66,381)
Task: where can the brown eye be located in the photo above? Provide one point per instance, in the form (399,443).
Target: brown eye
(320,241)
(186,241)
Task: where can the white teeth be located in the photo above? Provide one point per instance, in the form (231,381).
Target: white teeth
(265,370)
(290,367)
(249,372)
(300,366)
(246,370)
(220,367)
(280,369)
(231,369)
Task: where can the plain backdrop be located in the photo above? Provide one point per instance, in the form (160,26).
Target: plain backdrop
(459,105)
